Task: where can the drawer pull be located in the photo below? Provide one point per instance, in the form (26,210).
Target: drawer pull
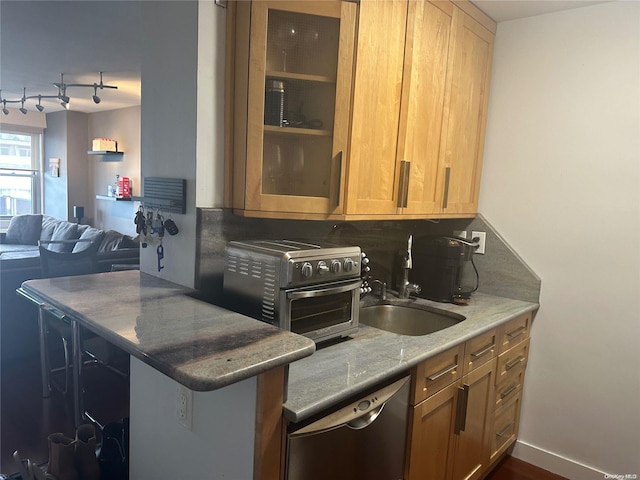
(516,333)
(484,350)
(509,390)
(506,429)
(514,362)
(450,369)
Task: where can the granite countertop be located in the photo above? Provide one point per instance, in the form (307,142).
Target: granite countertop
(370,356)
(200,345)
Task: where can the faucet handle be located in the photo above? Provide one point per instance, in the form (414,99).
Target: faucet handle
(409,263)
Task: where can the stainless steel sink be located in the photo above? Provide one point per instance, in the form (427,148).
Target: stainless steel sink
(414,320)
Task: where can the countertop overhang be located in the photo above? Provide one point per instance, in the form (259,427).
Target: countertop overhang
(200,345)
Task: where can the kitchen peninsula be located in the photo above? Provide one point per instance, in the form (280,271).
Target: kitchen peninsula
(198,345)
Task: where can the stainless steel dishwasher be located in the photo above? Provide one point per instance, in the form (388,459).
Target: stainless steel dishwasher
(364,440)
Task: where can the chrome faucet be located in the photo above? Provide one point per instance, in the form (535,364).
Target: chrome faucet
(405,288)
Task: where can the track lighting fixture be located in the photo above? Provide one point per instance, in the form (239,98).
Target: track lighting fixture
(62,95)
(39,106)
(96,98)
(22,109)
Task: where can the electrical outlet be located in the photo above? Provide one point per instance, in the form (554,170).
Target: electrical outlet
(184,407)
(460,234)
(482,242)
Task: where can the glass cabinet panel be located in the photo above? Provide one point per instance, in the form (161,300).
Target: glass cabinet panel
(299,76)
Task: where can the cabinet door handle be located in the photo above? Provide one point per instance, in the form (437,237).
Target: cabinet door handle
(502,432)
(403,188)
(516,333)
(509,391)
(447,178)
(514,362)
(484,350)
(461,409)
(451,368)
(338,181)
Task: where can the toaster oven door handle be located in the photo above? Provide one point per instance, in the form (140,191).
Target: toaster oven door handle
(322,292)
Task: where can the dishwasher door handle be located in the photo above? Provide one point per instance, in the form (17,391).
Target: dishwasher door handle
(365,420)
(357,415)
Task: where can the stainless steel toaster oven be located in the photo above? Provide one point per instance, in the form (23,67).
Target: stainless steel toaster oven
(308,288)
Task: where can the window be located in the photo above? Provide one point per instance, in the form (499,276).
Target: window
(20,167)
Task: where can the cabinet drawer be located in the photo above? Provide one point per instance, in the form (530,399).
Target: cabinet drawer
(509,387)
(515,357)
(436,373)
(480,350)
(505,428)
(514,331)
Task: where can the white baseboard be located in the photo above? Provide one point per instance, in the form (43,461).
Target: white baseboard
(555,463)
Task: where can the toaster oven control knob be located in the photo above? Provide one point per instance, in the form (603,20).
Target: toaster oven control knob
(336,266)
(348,265)
(307,270)
(322,267)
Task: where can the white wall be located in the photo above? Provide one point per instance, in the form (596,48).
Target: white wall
(210,135)
(168,123)
(561,182)
(220,445)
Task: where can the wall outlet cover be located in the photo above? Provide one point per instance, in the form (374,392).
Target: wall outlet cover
(482,236)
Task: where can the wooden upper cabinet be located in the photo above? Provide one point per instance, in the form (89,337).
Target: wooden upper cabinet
(428,41)
(373,179)
(293,66)
(419,110)
(465,113)
(386,104)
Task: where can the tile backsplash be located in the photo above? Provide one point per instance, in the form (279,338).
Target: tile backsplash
(501,271)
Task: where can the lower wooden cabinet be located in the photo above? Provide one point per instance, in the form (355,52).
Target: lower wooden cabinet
(451,429)
(459,430)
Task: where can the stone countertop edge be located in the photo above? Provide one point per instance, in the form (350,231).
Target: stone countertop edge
(202,346)
(371,356)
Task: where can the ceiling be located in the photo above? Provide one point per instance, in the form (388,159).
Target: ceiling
(39,40)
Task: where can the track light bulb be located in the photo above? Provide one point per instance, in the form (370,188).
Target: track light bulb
(23,110)
(96,98)
(64,99)
(5,110)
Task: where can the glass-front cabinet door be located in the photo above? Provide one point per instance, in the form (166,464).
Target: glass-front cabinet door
(299,64)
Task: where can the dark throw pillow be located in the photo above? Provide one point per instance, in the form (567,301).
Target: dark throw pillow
(24,230)
(90,233)
(63,231)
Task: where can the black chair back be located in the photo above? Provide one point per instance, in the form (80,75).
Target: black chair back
(65,264)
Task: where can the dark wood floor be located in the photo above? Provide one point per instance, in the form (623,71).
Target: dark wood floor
(514,469)
(27,419)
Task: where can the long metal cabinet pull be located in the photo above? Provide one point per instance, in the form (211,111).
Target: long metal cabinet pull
(484,350)
(514,362)
(441,373)
(403,190)
(509,390)
(447,177)
(338,184)
(502,432)
(461,409)
(516,333)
